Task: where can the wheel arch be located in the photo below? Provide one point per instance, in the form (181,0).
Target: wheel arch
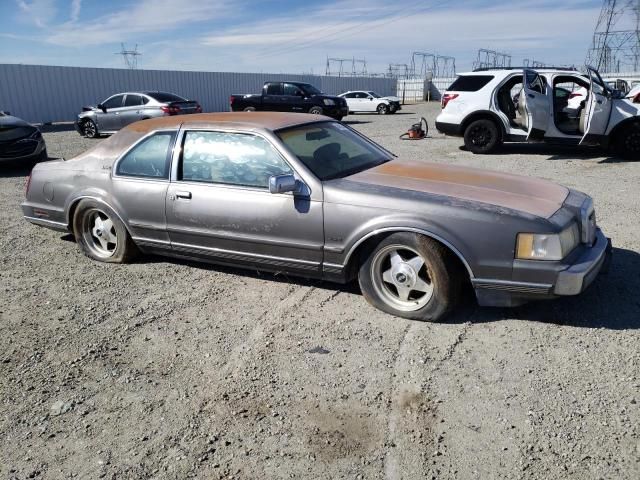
(615,131)
(73,205)
(369,240)
(486,115)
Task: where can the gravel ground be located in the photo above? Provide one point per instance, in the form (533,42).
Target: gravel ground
(167,369)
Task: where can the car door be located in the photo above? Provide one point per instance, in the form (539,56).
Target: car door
(293,97)
(362,102)
(272,98)
(219,206)
(139,183)
(537,105)
(109,117)
(132,111)
(594,119)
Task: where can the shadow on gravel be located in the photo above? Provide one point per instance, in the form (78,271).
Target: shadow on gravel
(355,122)
(554,152)
(611,302)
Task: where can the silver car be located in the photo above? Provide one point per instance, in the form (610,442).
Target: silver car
(307,195)
(121,109)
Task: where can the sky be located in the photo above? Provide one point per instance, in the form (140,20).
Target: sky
(288,36)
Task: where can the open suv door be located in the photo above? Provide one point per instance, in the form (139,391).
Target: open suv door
(536,104)
(597,110)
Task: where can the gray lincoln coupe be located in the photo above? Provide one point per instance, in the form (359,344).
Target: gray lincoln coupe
(310,196)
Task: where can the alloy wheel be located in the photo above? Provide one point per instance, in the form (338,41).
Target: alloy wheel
(401,278)
(99,233)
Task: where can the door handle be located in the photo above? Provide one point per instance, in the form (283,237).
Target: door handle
(183,194)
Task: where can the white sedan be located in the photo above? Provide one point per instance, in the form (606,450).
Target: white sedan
(368,101)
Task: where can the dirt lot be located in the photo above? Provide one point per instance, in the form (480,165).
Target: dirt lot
(165,369)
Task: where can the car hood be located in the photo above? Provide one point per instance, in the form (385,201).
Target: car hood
(534,196)
(9,121)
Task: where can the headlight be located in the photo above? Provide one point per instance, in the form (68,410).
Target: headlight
(551,246)
(328,101)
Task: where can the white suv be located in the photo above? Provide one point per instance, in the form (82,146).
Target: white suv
(492,106)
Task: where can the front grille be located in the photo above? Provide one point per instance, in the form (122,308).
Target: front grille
(18,149)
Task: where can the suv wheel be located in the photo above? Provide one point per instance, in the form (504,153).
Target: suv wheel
(315,110)
(382,109)
(482,136)
(627,142)
(410,276)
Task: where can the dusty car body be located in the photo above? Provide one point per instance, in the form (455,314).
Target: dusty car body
(309,196)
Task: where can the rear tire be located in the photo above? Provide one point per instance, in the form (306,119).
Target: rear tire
(627,142)
(101,235)
(482,136)
(90,129)
(315,111)
(411,276)
(250,109)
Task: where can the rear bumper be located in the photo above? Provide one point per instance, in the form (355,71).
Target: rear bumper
(452,129)
(564,280)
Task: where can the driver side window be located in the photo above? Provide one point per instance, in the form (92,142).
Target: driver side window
(230,158)
(150,158)
(113,102)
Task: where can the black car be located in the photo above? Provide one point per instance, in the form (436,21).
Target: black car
(294,97)
(20,141)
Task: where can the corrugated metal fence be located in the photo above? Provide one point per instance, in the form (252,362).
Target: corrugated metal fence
(40,94)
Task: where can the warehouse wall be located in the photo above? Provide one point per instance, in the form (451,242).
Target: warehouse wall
(40,94)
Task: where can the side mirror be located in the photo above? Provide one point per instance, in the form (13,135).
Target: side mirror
(102,107)
(284,183)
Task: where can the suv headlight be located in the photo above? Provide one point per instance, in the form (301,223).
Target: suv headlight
(547,246)
(328,101)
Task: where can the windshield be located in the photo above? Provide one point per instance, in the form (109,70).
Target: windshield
(374,94)
(310,89)
(332,150)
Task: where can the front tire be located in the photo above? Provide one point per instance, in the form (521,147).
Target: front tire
(411,276)
(101,235)
(315,110)
(382,109)
(90,129)
(482,136)
(627,142)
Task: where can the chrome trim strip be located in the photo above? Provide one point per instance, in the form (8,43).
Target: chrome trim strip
(414,230)
(235,254)
(244,238)
(47,223)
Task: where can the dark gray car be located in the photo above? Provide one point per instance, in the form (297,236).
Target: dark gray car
(20,142)
(122,109)
(309,196)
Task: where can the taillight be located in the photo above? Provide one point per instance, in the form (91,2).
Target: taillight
(27,185)
(574,95)
(171,109)
(447,97)
(231,100)
(198,108)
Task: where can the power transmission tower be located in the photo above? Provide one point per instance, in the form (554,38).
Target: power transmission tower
(492,59)
(616,40)
(130,57)
(426,61)
(398,70)
(358,67)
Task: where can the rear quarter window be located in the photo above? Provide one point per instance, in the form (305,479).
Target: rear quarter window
(470,83)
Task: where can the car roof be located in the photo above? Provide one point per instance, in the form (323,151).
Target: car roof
(505,71)
(249,120)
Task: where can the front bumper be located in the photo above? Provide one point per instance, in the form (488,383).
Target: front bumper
(337,111)
(559,279)
(26,154)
